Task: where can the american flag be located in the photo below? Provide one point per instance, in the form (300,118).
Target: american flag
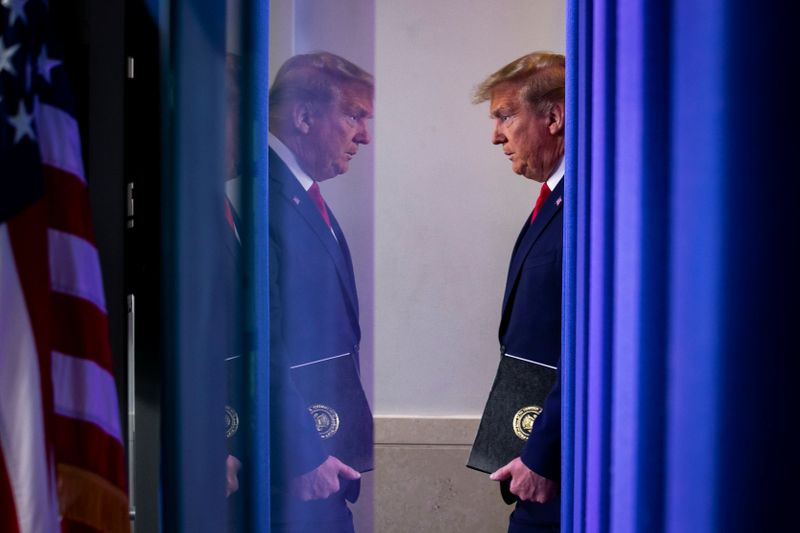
(62,462)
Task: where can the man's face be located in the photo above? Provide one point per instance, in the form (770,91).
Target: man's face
(526,138)
(336,132)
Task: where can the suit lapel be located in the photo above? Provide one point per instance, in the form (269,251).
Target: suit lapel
(521,235)
(350,280)
(529,235)
(299,200)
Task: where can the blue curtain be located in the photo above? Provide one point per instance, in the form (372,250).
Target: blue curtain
(193,442)
(681,278)
(197,300)
(254,126)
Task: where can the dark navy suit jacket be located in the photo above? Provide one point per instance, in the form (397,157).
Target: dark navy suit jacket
(530,326)
(313,312)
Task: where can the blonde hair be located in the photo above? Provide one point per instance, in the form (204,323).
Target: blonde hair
(541,75)
(315,78)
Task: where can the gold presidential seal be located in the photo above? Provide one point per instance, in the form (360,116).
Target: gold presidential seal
(326,420)
(231,421)
(524,419)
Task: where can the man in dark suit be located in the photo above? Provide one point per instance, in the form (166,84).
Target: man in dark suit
(526,99)
(319,107)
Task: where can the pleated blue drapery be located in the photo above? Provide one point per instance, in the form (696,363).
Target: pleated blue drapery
(253,132)
(681,278)
(193,440)
(193,384)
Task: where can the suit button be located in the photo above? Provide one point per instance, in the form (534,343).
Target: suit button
(355,348)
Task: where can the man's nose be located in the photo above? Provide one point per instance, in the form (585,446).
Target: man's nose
(497,135)
(362,135)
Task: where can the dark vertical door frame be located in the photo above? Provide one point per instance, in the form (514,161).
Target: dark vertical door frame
(140,65)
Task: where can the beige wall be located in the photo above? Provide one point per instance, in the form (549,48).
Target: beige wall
(448,208)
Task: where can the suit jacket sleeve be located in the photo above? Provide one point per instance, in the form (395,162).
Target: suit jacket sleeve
(542,451)
(296,446)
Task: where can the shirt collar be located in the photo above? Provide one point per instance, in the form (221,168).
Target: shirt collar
(233,191)
(290,160)
(556,176)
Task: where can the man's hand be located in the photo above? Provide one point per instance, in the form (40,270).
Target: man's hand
(232,467)
(525,483)
(322,481)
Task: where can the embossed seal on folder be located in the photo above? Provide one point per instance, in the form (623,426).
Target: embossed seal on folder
(231,421)
(524,419)
(326,420)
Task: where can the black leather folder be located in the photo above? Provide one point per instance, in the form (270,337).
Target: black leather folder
(331,388)
(516,399)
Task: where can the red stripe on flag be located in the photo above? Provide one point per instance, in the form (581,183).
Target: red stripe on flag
(84,445)
(68,207)
(8,508)
(80,330)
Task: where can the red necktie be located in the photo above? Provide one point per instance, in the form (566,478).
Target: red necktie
(316,197)
(544,192)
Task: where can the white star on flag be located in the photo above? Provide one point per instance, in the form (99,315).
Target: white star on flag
(17,8)
(5,57)
(44,64)
(23,124)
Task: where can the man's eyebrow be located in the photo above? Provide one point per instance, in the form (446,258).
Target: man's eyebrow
(501,110)
(359,111)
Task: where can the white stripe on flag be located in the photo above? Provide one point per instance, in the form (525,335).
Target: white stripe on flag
(59,140)
(83,390)
(21,418)
(75,267)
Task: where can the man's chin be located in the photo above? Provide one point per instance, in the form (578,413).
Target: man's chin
(525,172)
(341,168)
(332,173)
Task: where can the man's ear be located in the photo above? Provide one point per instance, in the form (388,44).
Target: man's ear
(555,119)
(302,117)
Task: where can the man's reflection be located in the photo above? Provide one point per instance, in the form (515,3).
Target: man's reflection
(319,107)
(234,361)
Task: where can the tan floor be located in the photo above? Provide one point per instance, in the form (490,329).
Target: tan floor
(420,483)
